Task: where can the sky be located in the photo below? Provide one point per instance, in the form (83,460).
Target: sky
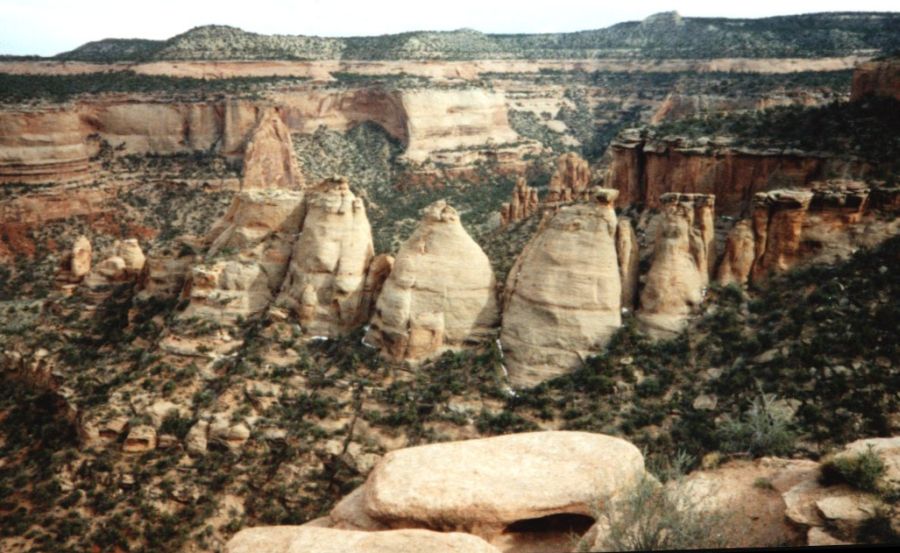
(48,27)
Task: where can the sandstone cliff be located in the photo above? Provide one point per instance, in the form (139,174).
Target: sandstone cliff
(881,78)
(679,271)
(326,279)
(642,170)
(563,294)
(269,159)
(826,223)
(440,294)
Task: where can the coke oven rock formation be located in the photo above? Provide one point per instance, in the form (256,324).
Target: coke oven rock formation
(679,271)
(440,294)
(248,255)
(326,281)
(563,294)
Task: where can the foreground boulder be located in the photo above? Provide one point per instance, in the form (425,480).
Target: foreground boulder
(564,292)
(679,272)
(521,492)
(269,159)
(440,294)
(309,539)
(325,283)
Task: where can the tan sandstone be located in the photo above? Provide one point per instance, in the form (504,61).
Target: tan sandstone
(269,158)
(325,283)
(440,294)
(629,262)
(571,179)
(564,293)
(679,271)
(523,204)
(310,539)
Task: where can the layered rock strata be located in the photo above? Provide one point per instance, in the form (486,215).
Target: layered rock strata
(880,78)
(679,272)
(440,294)
(563,294)
(325,286)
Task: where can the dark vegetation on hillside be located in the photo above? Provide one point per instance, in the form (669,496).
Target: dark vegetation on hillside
(866,130)
(662,36)
(59,88)
(823,373)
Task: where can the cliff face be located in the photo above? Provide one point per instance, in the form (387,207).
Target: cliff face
(451,126)
(881,78)
(643,170)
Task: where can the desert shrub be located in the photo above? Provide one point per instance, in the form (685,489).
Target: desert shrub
(765,429)
(862,471)
(652,517)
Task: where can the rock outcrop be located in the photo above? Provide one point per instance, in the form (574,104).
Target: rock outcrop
(571,179)
(643,169)
(880,78)
(563,294)
(300,539)
(789,227)
(497,488)
(523,204)
(440,294)
(326,280)
(123,262)
(778,218)
(269,158)
(679,272)
(248,256)
(80,262)
(737,261)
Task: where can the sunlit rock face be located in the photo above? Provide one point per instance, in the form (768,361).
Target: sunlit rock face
(679,272)
(563,295)
(440,294)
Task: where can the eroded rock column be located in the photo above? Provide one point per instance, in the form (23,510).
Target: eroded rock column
(564,293)
(440,294)
(679,273)
(325,284)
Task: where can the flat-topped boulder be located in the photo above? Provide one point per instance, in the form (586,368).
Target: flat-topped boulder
(310,539)
(503,484)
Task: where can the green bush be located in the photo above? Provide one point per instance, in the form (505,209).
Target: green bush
(863,471)
(765,429)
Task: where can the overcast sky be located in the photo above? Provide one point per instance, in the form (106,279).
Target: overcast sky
(47,27)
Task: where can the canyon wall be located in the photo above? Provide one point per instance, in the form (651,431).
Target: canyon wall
(881,78)
(454,127)
(642,170)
